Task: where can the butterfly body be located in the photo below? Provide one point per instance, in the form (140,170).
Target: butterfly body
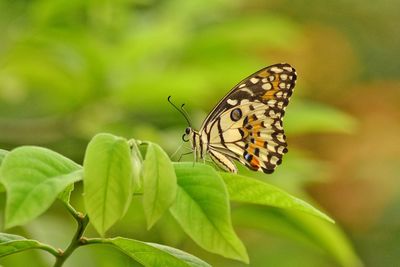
(246,125)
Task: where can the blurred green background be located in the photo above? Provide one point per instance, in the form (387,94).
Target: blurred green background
(70,69)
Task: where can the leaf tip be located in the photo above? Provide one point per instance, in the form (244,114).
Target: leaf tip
(329,219)
(245,258)
(323,216)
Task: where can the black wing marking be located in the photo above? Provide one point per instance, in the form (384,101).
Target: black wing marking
(275,82)
(246,125)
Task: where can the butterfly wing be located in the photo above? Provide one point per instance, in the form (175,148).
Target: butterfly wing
(246,125)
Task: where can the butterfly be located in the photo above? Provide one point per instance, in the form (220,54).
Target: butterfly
(246,125)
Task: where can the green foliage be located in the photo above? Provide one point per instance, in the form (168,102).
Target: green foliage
(196,195)
(159,183)
(137,161)
(10,244)
(310,231)
(3,153)
(309,117)
(202,209)
(150,254)
(33,177)
(70,69)
(107,180)
(65,195)
(247,190)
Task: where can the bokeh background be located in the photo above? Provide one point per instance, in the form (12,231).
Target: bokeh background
(70,69)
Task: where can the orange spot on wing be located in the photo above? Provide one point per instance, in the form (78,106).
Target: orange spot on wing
(263,74)
(252,118)
(256,127)
(270,93)
(259,142)
(255,163)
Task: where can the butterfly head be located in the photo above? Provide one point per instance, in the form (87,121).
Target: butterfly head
(195,141)
(188,135)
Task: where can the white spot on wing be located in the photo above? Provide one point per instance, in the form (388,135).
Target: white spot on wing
(271,148)
(271,113)
(271,102)
(280,138)
(232,102)
(244,101)
(274,160)
(276,70)
(266,86)
(247,90)
(278,125)
(254,80)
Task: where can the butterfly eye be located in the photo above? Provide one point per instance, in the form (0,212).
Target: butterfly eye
(236,114)
(186,134)
(184,138)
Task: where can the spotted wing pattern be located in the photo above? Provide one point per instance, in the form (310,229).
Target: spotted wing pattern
(247,123)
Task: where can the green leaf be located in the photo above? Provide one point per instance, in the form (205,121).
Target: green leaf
(159,183)
(33,178)
(202,209)
(248,190)
(150,254)
(319,235)
(3,153)
(65,195)
(107,180)
(10,244)
(310,117)
(137,162)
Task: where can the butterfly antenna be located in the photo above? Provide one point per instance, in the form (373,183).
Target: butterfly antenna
(186,113)
(180,111)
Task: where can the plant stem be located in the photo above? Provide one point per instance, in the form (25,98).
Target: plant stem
(82,221)
(77,215)
(90,241)
(49,249)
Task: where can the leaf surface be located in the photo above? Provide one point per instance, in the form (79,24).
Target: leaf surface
(107,180)
(33,178)
(202,209)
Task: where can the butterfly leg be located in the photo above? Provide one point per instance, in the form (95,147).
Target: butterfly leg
(194,156)
(176,151)
(184,154)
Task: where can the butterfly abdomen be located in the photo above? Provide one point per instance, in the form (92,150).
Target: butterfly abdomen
(199,145)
